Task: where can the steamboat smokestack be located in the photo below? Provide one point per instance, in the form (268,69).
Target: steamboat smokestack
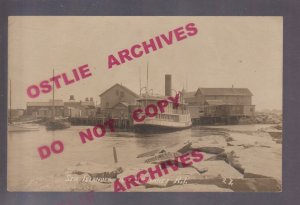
(168,85)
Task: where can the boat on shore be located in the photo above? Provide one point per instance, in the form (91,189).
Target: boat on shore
(175,117)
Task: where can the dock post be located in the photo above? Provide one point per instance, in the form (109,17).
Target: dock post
(115,155)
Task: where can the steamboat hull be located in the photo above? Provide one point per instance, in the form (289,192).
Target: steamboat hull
(148,128)
(57,125)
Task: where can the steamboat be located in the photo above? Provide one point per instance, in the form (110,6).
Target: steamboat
(175,117)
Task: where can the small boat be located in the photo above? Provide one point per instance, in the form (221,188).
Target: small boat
(20,128)
(57,124)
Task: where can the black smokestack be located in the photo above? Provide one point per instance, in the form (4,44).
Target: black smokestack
(168,85)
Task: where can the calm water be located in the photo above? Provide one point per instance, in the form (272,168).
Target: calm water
(24,163)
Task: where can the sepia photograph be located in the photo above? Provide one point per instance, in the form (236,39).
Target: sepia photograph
(145,104)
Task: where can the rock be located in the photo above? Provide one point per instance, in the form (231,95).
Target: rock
(58,184)
(91,167)
(230,158)
(229,139)
(132,170)
(165,180)
(251,138)
(278,127)
(279,141)
(211,150)
(210,140)
(266,146)
(159,182)
(239,143)
(251,175)
(268,117)
(94,171)
(99,187)
(256,161)
(221,184)
(222,156)
(213,145)
(84,176)
(276,134)
(230,144)
(217,169)
(202,170)
(180,147)
(205,155)
(256,185)
(182,175)
(151,153)
(198,145)
(185,148)
(140,188)
(162,157)
(244,185)
(246,146)
(190,188)
(262,161)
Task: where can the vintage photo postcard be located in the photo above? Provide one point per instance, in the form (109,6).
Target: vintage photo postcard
(144,104)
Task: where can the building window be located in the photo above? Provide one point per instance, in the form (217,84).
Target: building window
(122,94)
(107,104)
(117,92)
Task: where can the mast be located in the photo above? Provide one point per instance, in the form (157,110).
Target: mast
(147,94)
(186,84)
(140,81)
(10,101)
(147,78)
(53,106)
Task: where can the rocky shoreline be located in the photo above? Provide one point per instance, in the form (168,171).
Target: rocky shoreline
(235,160)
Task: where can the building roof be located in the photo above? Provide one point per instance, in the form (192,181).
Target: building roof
(88,103)
(125,104)
(214,102)
(151,97)
(45,104)
(117,84)
(189,94)
(72,103)
(225,91)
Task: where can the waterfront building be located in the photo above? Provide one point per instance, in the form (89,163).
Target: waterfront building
(115,95)
(82,109)
(15,114)
(120,111)
(70,108)
(220,102)
(44,109)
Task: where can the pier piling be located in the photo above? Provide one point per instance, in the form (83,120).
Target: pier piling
(115,155)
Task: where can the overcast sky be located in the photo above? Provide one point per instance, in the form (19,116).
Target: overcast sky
(242,51)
